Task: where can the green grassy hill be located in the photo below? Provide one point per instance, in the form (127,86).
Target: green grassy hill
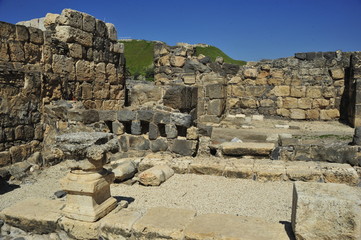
(139,57)
(214,52)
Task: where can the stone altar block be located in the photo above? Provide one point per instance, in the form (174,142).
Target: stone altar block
(88,183)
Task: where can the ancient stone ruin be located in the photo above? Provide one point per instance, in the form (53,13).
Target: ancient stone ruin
(64,99)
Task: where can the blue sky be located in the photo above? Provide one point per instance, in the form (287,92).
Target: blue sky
(248,30)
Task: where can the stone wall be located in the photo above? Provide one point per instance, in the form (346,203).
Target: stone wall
(77,57)
(308,86)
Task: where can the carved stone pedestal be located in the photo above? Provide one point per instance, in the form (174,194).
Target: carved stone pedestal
(88,196)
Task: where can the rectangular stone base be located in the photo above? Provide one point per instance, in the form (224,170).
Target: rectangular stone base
(92,214)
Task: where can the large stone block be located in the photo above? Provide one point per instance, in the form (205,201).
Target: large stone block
(337,73)
(5,158)
(247,148)
(177,61)
(84,70)
(215,91)
(36,35)
(126,115)
(171,131)
(70,34)
(156,175)
(297,114)
(184,147)
(144,93)
(22,33)
(112,32)
(88,23)
(216,107)
(159,145)
(281,91)
(136,127)
(71,18)
(17,53)
(326,211)
(63,65)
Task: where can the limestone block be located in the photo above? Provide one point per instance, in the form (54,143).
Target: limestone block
(156,223)
(250,73)
(337,73)
(32,53)
(86,91)
(304,103)
(313,114)
(36,35)
(184,147)
(71,18)
(136,127)
(269,170)
(339,173)
(189,79)
(329,92)
(5,158)
(75,50)
(143,93)
(216,107)
(326,211)
(153,131)
(8,29)
(329,114)
(297,114)
(101,90)
(123,169)
(314,92)
(281,91)
(88,23)
(63,65)
(100,74)
(70,34)
(246,148)
(164,61)
(101,28)
(111,73)
(84,70)
(267,103)
(225,226)
(4,49)
(17,53)
(289,102)
(192,133)
(112,32)
(79,229)
(320,103)
(160,144)
(22,33)
(171,131)
(118,47)
(177,61)
(303,171)
(126,115)
(35,215)
(156,175)
(245,102)
(277,73)
(50,20)
(181,119)
(20,153)
(117,128)
(214,91)
(298,91)
(239,168)
(119,225)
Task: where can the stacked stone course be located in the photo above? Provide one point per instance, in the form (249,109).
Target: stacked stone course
(308,86)
(74,57)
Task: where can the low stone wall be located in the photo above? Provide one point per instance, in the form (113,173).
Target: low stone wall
(308,86)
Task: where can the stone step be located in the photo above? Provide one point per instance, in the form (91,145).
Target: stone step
(247,148)
(257,169)
(156,223)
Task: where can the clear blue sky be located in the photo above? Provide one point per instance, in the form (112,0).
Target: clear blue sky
(248,30)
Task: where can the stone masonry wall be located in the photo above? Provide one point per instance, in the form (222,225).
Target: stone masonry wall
(308,86)
(77,58)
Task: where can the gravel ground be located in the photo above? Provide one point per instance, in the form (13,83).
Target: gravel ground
(271,201)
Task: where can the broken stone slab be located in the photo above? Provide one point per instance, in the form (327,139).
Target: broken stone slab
(225,226)
(163,223)
(303,171)
(155,175)
(119,225)
(208,166)
(123,169)
(339,173)
(35,215)
(247,148)
(326,211)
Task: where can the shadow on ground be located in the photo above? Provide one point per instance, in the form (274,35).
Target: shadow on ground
(288,228)
(5,187)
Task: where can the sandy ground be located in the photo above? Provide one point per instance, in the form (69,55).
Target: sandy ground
(271,201)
